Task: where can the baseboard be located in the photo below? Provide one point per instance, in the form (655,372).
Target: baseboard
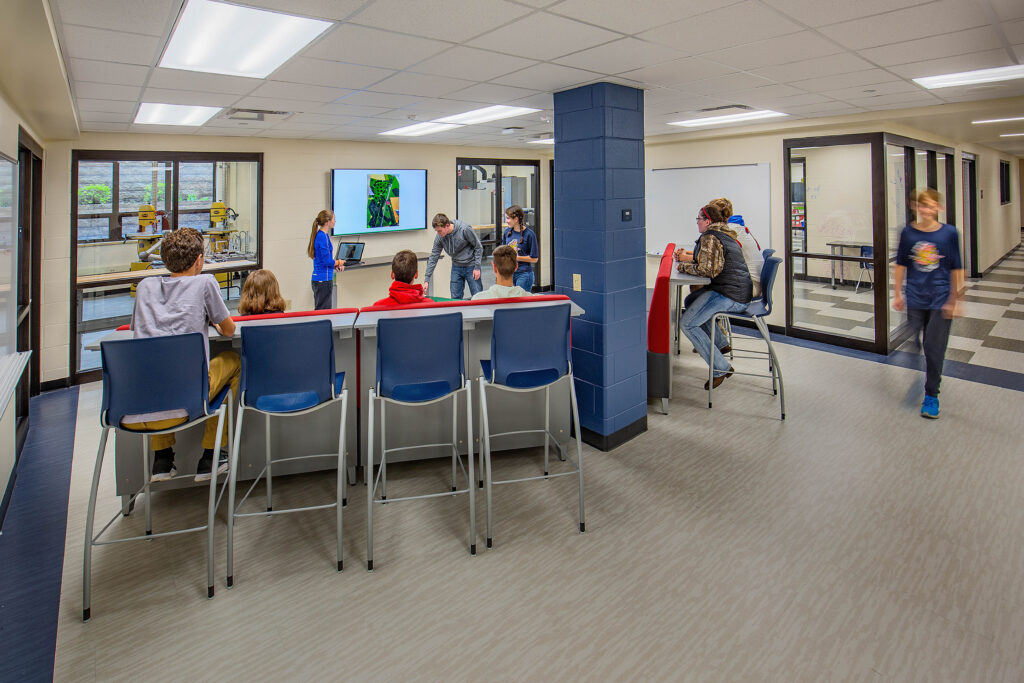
(607,442)
(63,383)
(1001,259)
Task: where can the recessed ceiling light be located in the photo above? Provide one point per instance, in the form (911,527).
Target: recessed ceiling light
(425,128)
(1012,135)
(728,118)
(498,111)
(216,37)
(545,141)
(1014,118)
(174,114)
(1002,73)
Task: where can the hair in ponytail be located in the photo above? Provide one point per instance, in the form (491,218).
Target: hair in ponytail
(713,213)
(322,218)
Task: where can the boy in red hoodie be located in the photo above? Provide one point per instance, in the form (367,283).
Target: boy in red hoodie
(404,269)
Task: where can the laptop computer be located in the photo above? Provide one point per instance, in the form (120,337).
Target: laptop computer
(350,253)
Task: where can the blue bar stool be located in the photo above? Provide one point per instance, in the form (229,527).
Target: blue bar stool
(287,370)
(866,267)
(757,312)
(419,362)
(529,352)
(136,387)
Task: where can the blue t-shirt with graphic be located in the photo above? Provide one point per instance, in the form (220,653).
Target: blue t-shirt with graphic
(525,244)
(929,258)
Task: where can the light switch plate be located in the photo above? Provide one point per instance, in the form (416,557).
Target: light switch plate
(577,282)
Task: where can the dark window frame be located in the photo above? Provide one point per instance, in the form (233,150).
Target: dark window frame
(1005,194)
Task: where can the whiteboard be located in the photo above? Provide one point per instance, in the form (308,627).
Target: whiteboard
(673,196)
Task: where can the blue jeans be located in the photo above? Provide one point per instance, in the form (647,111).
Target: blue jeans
(524,279)
(696,325)
(462,274)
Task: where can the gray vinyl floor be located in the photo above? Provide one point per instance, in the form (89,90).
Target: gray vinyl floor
(855,541)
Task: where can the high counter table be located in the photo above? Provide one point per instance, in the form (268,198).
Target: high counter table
(314,433)
(408,426)
(676,281)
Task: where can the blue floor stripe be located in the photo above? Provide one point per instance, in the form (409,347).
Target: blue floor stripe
(32,540)
(996,377)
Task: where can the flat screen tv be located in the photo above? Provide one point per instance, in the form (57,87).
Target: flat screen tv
(372,201)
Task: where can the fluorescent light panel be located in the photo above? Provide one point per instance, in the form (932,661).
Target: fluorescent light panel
(729,118)
(152,113)
(425,128)
(1002,73)
(545,141)
(215,37)
(1012,135)
(1014,118)
(498,111)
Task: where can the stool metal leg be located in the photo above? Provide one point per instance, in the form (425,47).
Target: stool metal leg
(480,430)
(547,425)
(89,519)
(485,446)
(579,445)
(470,489)
(232,482)
(775,360)
(370,482)
(711,358)
(270,483)
(383,451)
(455,438)
(340,503)
(212,505)
(147,473)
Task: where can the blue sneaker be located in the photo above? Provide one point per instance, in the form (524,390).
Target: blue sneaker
(930,407)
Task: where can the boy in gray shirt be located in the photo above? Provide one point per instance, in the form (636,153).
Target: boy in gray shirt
(183,302)
(460,241)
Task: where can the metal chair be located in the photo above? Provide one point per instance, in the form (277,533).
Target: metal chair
(866,267)
(419,362)
(136,387)
(287,370)
(529,352)
(757,312)
(767,253)
(727,326)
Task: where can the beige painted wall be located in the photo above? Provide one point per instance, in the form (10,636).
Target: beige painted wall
(998,224)
(295,187)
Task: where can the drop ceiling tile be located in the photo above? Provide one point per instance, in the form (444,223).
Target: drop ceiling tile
(104,117)
(423,85)
(935,67)
(220,121)
(134,16)
(621,55)
(81,42)
(328,120)
(492,93)
(332,10)
(831,108)
(550,77)
(783,104)
(544,100)
(859,91)
(1008,9)
(277,104)
(789,48)
(108,72)
(958,43)
(843,62)
(433,108)
(938,18)
(325,72)
(115,106)
(822,12)
(896,100)
(544,36)
(292,124)
(1014,31)
(633,16)
(468,62)
(724,84)
(361,45)
(678,71)
(203,99)
(105,127)
(284,133)
(744,22)
(160,130)
(435,18)
(345,110)
(106,91)
(309,93)
(1019,51)
(365,98)
(849,80)
(229,132)
(177,79)
(686,104)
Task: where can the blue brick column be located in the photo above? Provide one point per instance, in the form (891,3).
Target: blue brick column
(599,235)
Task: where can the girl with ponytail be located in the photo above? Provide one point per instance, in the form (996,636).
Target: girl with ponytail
(324,263)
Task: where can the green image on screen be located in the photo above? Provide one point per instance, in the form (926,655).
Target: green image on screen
(381,200)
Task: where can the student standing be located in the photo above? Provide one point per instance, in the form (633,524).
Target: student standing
(460,241)
(524,241)
(324,263)
(928,257)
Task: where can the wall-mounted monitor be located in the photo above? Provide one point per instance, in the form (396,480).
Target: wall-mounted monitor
(371,201)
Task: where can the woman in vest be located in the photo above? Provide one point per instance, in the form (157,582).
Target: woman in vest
(717,256)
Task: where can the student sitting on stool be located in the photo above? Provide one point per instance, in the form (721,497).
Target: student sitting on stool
(404,269)
(184,301)
(504,261)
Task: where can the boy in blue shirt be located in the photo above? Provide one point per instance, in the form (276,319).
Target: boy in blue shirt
(522,239)
(928,257)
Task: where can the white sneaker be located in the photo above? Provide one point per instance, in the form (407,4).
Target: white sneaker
(203,468)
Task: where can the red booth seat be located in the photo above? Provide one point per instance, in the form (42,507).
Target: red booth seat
(659,329)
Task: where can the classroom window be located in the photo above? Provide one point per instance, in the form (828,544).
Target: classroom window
(1004,182)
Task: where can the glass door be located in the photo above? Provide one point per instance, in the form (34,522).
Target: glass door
(520,186)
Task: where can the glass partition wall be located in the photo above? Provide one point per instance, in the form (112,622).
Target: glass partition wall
(122,205)
(847,198)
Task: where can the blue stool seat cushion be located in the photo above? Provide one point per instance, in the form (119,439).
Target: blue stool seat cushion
(524,379)
(287,403)
(756,309)
(421,391)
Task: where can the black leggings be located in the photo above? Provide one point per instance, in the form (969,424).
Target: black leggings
(322,294)
(935,329)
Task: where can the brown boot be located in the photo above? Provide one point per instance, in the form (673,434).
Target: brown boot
(719,380)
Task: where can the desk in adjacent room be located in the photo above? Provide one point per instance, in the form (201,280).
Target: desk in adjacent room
(840,245)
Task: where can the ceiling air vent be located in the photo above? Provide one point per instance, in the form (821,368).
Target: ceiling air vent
(725,109)
(254,115)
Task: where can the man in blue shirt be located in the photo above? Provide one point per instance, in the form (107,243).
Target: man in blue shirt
(928,257)
(522,239)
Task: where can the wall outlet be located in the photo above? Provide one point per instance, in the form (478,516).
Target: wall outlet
(577,282)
